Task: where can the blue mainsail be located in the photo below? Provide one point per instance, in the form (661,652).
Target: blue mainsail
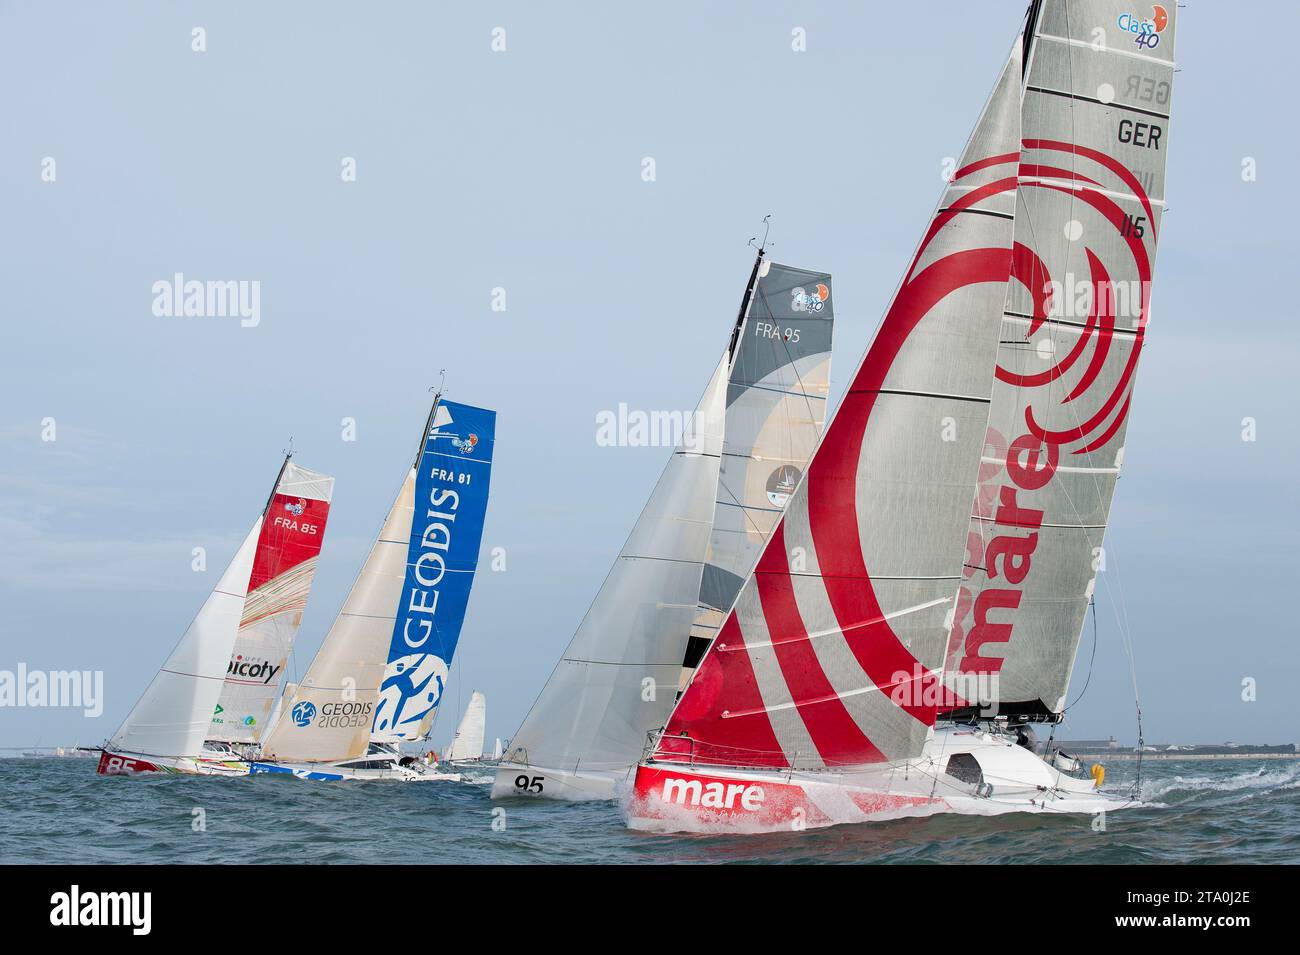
(451,495)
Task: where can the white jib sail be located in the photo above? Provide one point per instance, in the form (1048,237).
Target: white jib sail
(617,678)
(470,734)
(172,717)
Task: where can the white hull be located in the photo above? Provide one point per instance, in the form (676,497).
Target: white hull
(538,782)
(332,772)
(676,797)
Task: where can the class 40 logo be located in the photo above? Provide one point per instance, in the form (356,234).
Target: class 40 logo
(1146,30)
(466,444)
(809,300)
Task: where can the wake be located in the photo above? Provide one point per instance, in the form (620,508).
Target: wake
(1258,781)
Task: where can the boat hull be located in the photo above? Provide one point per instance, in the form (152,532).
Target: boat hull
(538,782)
(134,764)
(330,772)
(678,797)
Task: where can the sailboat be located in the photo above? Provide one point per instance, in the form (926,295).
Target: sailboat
(378,678)
(953,513)
(235,649)
(467,745)
(715,505)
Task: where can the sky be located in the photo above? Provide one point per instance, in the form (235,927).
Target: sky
(521,170)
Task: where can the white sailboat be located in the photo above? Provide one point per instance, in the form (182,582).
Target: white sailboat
(952,515)
(234,650)
(705,523)
(467,745)
(378,678)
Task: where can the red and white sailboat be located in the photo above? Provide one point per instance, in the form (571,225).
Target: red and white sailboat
(211,698)
(885,607)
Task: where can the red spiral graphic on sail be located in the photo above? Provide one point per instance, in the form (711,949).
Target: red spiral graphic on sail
(1108,412)
(722,718)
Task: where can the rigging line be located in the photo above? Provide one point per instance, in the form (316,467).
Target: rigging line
(1127,637)
(1092,602)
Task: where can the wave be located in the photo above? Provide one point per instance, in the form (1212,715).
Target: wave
(1263,779)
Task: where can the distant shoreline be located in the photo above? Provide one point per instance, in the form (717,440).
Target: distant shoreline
(1111,754)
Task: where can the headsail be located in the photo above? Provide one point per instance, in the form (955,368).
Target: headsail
(595,709)
(471,733)
(284,565)
(828,657)
(1092,184)
(175,714)
(713,508)
(389,649)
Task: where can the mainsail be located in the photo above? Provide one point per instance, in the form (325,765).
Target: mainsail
(776,405)
(472,731)
(284,564)
(714,505)
(174,715)
(382,667)
(1097,88)
(829,655)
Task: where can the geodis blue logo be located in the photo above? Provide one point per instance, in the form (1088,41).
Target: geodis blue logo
(303,713)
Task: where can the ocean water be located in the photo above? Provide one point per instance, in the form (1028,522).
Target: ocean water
(59,811)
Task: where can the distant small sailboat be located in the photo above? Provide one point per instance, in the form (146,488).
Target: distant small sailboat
(379,676)
(257,606)
(467,745)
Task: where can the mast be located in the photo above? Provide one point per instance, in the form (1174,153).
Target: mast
(1027,38)
(748,297)
(279,475)
(427,730)
(428,424)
